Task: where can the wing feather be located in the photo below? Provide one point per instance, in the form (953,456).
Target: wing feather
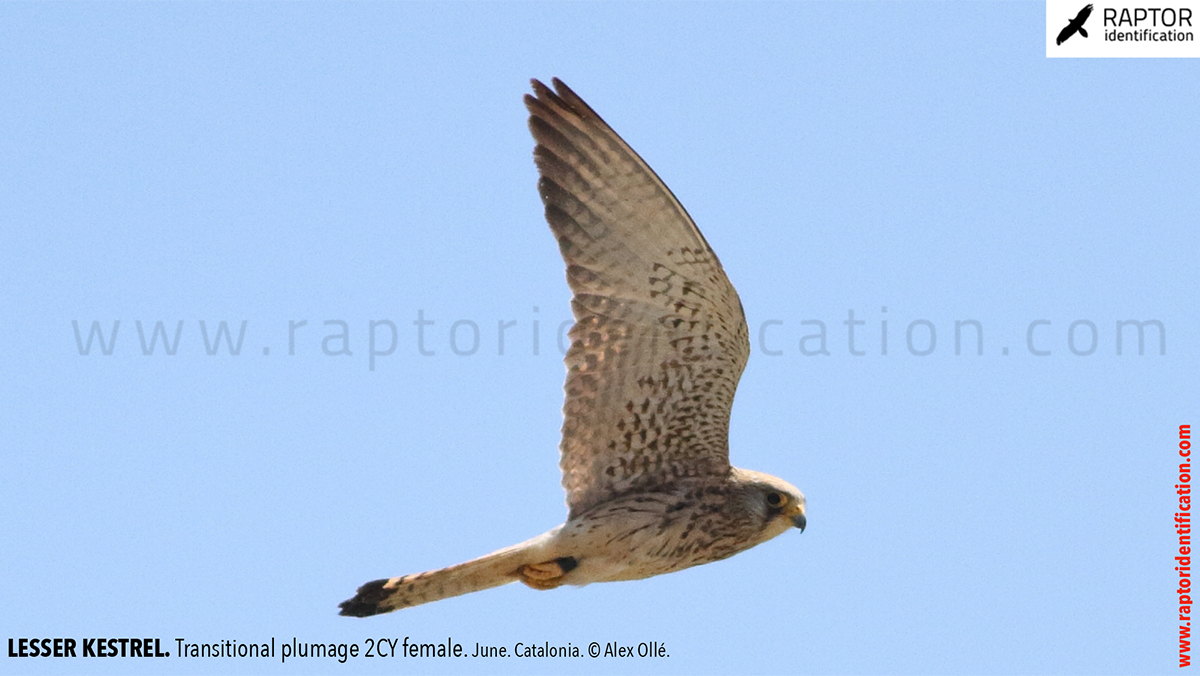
(660,338)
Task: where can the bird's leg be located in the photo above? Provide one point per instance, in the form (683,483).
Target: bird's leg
(549,574)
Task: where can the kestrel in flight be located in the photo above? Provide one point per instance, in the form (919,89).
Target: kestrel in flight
(658,346)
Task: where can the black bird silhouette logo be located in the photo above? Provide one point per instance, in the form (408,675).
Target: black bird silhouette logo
(1076,25)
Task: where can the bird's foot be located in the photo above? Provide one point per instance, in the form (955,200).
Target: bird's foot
(547,575)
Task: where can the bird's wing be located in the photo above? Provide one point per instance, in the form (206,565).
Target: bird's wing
(1065,33)
(1083,15)
(660,339)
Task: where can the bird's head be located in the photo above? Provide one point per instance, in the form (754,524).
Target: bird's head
(779,504)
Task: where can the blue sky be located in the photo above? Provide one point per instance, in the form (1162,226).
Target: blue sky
(343,164)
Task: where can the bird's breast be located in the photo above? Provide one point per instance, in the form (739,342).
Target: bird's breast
(638,536)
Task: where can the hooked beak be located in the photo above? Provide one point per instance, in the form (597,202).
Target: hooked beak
(796,514)
(800,521)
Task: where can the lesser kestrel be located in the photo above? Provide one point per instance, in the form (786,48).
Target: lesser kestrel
(658,346)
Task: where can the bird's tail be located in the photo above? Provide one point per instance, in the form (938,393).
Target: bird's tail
(383,596)
(1083,32)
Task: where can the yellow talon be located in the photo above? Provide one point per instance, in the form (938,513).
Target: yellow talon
(543,576)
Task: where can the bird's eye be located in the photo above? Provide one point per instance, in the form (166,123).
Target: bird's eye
(774,499)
